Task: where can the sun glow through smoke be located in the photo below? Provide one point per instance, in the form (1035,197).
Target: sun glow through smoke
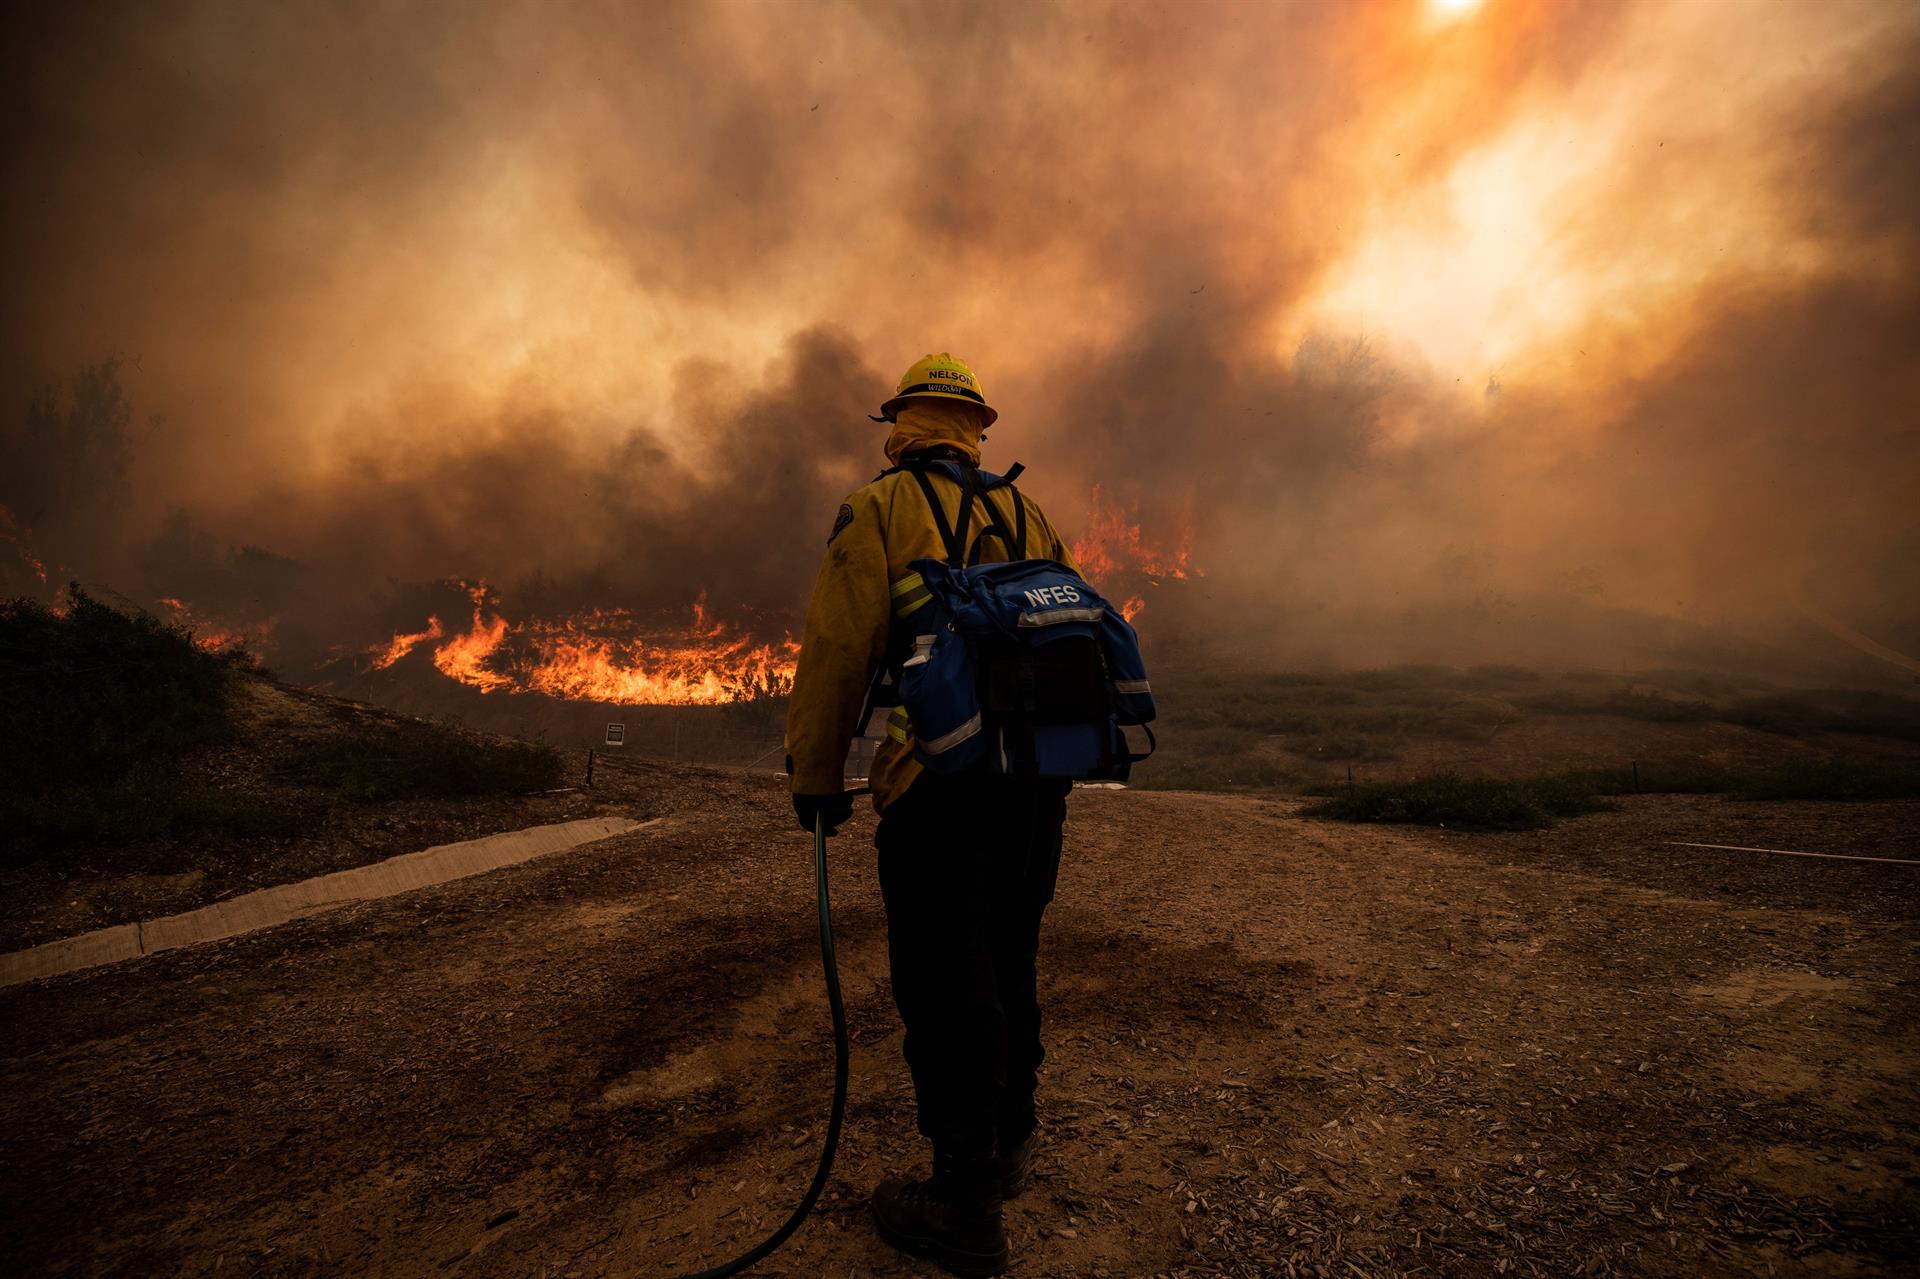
(1607,207)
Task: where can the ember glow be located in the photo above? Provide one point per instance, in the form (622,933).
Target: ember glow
(210,634)
(16,537)
(603,655)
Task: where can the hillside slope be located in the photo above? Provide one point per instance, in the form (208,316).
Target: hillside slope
(144,774)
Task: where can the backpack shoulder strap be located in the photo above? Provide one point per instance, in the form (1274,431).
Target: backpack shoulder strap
(1018,546)
(996,526)
(969,479)
(952,538)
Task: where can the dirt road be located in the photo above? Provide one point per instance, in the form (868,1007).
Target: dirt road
(1278,1047)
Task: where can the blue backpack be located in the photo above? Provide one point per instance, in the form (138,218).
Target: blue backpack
(1018,668)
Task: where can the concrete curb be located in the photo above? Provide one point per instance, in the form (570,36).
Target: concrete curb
(284,902)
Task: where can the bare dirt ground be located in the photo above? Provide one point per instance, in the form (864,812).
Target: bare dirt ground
(1278,1046)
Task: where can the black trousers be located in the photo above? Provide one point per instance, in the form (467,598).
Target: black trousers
(967,867)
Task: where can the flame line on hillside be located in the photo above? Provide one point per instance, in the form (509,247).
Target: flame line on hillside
(387,654)
(603,655)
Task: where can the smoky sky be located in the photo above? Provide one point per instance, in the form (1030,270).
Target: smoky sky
(1599,303)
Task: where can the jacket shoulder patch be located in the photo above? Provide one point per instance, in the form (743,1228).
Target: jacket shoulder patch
(840,521)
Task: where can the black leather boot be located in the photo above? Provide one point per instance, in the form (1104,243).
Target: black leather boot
(1014,1164)
(952,1218)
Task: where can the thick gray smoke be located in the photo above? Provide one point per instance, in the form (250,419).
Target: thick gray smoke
(591,303)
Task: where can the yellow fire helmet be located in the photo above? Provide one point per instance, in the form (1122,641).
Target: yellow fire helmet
(941,376)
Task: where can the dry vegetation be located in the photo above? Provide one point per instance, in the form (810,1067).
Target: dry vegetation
(141,774)
(1686,731)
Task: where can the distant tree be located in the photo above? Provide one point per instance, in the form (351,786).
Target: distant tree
(1340,383)
(65,462)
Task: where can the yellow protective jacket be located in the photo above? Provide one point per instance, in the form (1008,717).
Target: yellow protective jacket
(879,531)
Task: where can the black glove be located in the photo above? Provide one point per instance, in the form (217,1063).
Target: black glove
(836,808)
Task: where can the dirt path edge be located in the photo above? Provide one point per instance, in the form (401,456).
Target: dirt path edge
(284,902)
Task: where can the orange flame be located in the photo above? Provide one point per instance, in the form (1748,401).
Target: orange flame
(1114,544)
(464,657)
(214,635)
(386,655)
(604,655)
(706,665)
(1133,607)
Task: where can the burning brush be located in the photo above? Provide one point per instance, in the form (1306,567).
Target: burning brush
(602,655)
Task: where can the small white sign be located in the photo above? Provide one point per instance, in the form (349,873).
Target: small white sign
(616,734)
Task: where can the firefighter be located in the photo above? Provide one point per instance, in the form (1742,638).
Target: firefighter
(967,862)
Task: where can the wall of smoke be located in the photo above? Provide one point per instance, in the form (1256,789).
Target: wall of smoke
(1437,334)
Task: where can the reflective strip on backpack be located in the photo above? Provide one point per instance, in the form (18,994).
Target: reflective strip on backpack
(1131,686)
(909,593)
(898,725)
(1054,616)
(947,741)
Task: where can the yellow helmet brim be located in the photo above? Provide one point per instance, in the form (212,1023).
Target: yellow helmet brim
(941,391)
